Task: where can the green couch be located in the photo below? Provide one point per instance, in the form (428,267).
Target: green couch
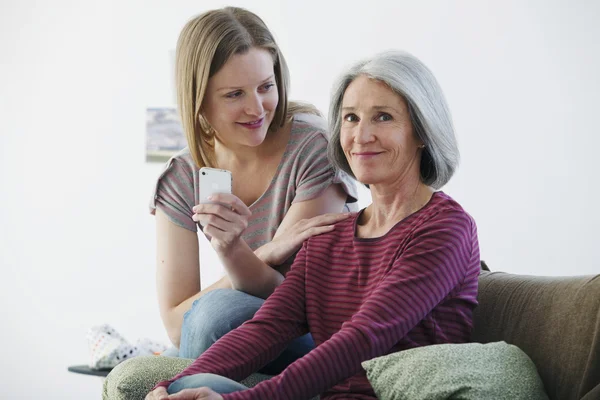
(554,320)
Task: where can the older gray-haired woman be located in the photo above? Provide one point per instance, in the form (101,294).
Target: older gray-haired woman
(427,109)
(401,273)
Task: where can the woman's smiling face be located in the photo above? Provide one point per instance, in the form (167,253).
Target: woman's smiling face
(377,134)
(241,99)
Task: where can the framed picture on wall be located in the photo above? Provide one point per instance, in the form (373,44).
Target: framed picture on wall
(164,134)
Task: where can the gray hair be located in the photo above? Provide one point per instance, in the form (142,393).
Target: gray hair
(429,113)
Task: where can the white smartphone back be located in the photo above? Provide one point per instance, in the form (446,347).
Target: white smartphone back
(212,181)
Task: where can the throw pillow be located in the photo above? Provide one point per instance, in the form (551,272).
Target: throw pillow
(456,371)
(134,378)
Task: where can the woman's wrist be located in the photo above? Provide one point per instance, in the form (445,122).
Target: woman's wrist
(263,253)
(231,251)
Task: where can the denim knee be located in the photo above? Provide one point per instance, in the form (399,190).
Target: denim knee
(212,316)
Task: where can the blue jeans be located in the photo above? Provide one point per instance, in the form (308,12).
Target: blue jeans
(220,311)
(217,383)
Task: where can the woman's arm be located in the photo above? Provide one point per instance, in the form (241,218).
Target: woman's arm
(303,220)
(177,274)
(437,262)
(250,271)
(318,189)
(254,344)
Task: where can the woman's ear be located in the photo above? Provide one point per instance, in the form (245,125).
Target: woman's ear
(204,125)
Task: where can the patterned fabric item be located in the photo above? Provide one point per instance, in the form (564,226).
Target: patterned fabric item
(108,348)
(133,379)
(470,371)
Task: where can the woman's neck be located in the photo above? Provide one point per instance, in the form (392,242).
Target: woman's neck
(391,205)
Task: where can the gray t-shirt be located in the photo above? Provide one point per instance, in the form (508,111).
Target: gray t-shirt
(303,174)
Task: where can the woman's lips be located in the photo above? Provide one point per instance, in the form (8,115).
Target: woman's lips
(366,155)
(253,124)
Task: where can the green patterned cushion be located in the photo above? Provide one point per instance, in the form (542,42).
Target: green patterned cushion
(456,371)
(134,378)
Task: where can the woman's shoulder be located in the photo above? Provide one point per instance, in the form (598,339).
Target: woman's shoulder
(308,127)
(308,137)
(307,148)
(443,209)
(175,190)
(342,234)
(179,170)
(184,158)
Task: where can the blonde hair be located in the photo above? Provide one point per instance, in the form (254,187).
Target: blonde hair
(205,44)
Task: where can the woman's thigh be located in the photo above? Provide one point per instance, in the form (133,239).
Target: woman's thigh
(217,383)
(219,312)
(212,316)
(298,348)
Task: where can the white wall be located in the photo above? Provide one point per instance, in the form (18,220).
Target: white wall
(76,239)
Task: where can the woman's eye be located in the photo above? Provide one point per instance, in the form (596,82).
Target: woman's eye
(267,87)
(233,95)
(350,118)
(383,117)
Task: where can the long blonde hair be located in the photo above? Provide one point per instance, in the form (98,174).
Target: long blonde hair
(205,44)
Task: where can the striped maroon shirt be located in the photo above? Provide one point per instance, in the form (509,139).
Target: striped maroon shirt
(360,299)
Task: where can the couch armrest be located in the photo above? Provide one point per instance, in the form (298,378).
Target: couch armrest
(593,394)
(555,320)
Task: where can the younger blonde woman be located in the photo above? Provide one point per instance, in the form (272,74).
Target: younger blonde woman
(232,88)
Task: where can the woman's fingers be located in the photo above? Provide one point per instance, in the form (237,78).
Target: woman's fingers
(202,393)
(231,201)
(221,225)
(319,220)
(190,394)
(314,231)
(226,224)
(158,394)
(220,217)
(327,219)
(216,209)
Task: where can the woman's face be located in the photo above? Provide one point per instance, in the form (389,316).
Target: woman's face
(241,99)
(377,135)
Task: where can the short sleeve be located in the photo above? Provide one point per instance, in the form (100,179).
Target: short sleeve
(316,172)
(174,194)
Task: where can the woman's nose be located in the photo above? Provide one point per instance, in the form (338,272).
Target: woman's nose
(254,105)
(363,133)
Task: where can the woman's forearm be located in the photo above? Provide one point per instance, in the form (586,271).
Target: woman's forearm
(263,253)
(248,272)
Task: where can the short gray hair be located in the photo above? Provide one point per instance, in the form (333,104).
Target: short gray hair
(429,113)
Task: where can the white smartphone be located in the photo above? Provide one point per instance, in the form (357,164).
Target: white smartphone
(213,181)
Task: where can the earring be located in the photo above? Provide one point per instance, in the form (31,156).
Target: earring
(205,126)
(422,146)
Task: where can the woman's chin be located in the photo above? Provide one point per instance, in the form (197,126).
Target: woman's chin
(254,139)
(366,178)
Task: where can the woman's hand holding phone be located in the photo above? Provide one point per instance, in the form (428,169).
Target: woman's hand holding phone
(223,220)
(223,216)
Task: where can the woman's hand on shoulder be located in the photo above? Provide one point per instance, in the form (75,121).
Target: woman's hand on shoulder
(289,241)
(223,221)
